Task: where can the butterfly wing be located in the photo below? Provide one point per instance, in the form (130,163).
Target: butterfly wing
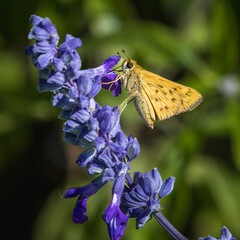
(168,98)
(165,105)
(189,97)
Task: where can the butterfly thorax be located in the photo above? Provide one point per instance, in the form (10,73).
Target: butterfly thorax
(131,76)
(132,81)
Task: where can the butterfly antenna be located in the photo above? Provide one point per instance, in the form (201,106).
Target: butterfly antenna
(125,53)
(118,53)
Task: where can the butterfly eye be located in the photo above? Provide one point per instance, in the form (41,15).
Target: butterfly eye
(129,65)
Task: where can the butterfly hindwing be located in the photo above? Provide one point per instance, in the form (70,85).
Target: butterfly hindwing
(164,101)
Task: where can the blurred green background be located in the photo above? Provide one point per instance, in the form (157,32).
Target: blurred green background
(193,42)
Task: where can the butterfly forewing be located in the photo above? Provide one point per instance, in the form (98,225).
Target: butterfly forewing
(189,97)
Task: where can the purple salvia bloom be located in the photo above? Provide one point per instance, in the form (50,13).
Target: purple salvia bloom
(115,86)
(115,219)
(143,199)
(225,235)
(62,101)
(108,119)
(121,139)
(43,29)
(118,150)
(80,115)
(107,162)
(87,134)
(45,34)
(100,143)
(133,148)
(87,156)
(111,76)
(69,55)
(50,80)
(84,193)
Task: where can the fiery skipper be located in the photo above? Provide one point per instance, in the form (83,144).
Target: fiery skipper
(155,97)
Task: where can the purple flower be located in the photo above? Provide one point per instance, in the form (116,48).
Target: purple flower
(111,76)
(68,53)
(225,235)
(143,199)
(43,30)
(113,216)
(133,148)
(50,80)
(46,36)
(83,194)
(107,118)
(116,86)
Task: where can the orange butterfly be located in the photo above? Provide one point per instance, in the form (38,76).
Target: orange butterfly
(155,97)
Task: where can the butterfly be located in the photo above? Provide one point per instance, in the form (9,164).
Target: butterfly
(155,97)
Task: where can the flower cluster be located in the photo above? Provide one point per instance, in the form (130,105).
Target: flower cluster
(108,151)
(97,129)
(225,235)
(142,198)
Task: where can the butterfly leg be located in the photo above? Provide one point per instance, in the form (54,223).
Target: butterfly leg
(125,106)
(126,100)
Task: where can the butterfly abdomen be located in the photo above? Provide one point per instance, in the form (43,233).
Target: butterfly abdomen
(143,110)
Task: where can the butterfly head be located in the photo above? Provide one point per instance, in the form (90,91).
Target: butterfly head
(128,65)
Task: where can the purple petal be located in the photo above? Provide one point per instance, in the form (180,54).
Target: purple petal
(108,174)
(70,43)
(121,139)
(79,209)
(84,82)
(115,86)
(111,62)
(95,167)
(96,86)
(86,156)
(38,34)
(166,187)
(62,101)
(226,234)
(34,19)
(107,158)
(133,148)
(142,218)
(118,150)
(100,143)
(116,222)
(43,60)
(72,192)
(80,115)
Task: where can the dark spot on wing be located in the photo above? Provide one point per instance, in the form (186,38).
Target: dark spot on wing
(166,107)
(173,99)
(171,92)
